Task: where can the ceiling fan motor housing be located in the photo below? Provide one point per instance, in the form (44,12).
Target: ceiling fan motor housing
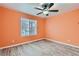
(45,5)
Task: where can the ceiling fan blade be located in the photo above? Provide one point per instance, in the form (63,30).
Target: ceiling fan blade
(50,5)
(39,13)
(38,8)
(53,10)
(45,5)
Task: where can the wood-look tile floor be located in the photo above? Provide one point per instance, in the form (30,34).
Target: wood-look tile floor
(41,48)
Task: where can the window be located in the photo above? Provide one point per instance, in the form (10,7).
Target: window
(28,27)
(32,27)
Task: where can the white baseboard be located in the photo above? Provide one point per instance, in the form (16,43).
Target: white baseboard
(21,43)
(62,43)
(38,40)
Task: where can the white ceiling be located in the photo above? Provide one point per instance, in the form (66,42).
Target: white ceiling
(29,7)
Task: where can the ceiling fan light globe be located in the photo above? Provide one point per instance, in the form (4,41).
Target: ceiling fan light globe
(45,12)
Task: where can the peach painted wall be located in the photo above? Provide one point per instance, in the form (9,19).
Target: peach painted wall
(64,27)
(10,27)
(1,23)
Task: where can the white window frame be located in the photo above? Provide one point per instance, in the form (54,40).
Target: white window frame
(28,27)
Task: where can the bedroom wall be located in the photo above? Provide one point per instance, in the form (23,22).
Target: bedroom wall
(10,27)
(1,23)
(64,27)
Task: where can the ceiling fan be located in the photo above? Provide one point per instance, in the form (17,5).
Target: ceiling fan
(46,9)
